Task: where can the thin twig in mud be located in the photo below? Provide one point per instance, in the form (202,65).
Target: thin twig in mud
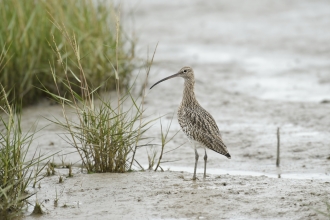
(164,139)
(161,168)
(37,173)
(175,148)
(142,102)
(145,145)
(278,148)
(57,197)
(139,164)
(151,159)
(163,143)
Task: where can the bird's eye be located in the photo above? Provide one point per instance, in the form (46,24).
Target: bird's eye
(184,71)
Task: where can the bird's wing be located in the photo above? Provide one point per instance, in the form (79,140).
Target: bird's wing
(212,142)
(200,126)
(201,119)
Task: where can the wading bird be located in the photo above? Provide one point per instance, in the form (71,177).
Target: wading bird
(195,121)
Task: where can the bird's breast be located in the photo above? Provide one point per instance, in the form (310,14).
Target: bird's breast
(183,121)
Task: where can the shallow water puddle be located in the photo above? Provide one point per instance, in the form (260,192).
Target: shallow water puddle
(319,176)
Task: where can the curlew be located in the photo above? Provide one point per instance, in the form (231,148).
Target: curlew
(195,121)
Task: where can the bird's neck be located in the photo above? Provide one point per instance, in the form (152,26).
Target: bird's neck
(189,97)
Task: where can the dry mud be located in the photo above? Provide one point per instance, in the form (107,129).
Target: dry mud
(259,65)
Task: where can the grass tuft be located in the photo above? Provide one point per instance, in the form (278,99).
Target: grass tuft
(37,210)
(103,133)
(60,179)
(16,173)
(25,30)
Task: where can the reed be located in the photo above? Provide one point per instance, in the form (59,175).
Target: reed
(103,133)
(25,30)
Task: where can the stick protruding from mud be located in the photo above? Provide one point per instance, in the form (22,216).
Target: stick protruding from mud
(278,148)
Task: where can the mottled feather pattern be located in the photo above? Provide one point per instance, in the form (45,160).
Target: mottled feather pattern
(197,123)
(202,128)
(201,119)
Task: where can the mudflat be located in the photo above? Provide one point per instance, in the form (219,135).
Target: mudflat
(259,65)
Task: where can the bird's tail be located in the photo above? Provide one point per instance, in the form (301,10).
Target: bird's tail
(228,156)
(220,148)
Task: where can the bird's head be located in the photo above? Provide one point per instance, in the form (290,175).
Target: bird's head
(186,72)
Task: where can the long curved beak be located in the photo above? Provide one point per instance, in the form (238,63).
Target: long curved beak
(169,77)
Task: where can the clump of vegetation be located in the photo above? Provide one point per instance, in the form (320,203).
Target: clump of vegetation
(16,173)
(57,196)
(26,29)
(37,210)
(50,170)
(60,179)
(103,133)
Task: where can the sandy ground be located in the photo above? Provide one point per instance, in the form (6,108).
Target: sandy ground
(172,195)
(259,65)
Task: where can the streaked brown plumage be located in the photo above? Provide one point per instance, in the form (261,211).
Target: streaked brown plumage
(195,121)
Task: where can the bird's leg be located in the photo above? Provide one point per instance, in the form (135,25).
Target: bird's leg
(196,160)
(205,161)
